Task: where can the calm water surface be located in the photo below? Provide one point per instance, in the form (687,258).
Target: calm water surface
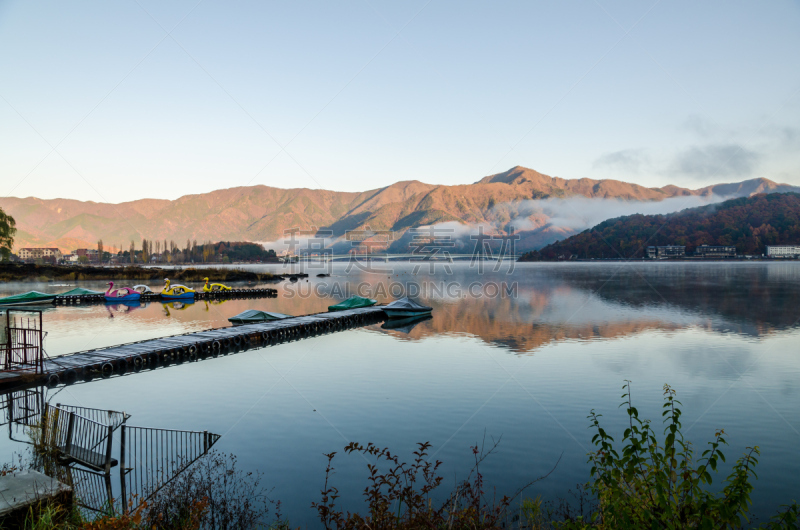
(526,365)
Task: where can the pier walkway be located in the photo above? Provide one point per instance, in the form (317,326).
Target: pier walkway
(156,296)
(190,347)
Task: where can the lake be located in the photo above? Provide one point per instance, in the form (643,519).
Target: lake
(523,355)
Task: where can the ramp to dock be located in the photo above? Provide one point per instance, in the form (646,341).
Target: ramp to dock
(189,347)
(21,489)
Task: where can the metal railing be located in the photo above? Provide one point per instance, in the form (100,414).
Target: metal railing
(150,458)
(78,438)
(22,407)
(22,344)
(92,489)
(106,417)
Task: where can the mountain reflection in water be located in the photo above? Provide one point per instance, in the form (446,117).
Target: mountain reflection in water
(528,367)
(570,302)
(547,303)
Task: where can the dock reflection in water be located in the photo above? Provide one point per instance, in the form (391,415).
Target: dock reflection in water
(76,445)
(724,335)
(548,303)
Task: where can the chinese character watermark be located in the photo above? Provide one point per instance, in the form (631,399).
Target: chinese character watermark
(430,244)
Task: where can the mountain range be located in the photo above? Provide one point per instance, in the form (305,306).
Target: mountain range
(522,198)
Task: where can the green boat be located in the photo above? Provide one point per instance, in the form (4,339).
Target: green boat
(79,291)
(354,302)
(29,298)
(253,316)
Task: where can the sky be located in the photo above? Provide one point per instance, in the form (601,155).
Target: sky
(115,101)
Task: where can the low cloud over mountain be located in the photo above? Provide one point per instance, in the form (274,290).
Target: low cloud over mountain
(541,208)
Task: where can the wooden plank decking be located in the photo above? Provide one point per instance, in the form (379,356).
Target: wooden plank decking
(189,347)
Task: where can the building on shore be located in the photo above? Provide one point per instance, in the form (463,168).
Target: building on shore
(715,251)
(666,252)
(46,254)
(783,251)
(90,254)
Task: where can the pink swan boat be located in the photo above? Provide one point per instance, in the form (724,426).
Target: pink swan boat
(123,294)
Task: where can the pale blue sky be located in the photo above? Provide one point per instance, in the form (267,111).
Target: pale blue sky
(357,95)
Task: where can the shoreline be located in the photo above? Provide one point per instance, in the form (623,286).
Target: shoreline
(22,272)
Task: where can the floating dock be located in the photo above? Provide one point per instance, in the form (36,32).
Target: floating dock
(22,489)
(152,297)
(190,347)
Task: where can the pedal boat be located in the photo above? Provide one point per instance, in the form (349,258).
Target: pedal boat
(212,287)
(123,294)
(176,292)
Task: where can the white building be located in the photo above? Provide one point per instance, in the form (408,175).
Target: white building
(27,254)
(783,251)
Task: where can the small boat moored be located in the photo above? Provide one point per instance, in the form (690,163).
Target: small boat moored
(123,294)
(406,307)
(176,292)
(213,287)
(142,289)
(29,298)
(79,291)
(252,316)
(354,302)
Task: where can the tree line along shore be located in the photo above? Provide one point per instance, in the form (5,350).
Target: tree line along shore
(14,272)
(748,226)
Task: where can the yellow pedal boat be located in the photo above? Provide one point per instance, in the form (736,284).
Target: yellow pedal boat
(210,287)
(176,292)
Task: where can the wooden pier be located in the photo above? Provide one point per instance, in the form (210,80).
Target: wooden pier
(190,347)
(153,297)
(23,489)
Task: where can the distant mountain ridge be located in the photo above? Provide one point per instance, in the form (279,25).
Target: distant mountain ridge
(748,223)
(262,213)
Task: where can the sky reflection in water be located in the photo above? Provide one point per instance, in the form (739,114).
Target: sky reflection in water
(528,367)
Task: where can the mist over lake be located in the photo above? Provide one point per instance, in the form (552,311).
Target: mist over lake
(525,365)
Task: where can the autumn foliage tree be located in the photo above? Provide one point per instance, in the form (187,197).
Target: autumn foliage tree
(8,227)
(748,223)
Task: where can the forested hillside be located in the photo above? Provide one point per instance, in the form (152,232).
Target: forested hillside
(263,214)
(748,223)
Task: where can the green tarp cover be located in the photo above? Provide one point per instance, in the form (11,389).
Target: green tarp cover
(27,298)
(79,290)
(354,302)
(253,315)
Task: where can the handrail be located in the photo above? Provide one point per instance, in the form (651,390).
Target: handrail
(76,437)
(22,340)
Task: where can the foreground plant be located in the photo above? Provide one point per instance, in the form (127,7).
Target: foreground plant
(652,484)
(401,496)
(212,493)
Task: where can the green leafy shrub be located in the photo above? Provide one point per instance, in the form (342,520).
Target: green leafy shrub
(651,484)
